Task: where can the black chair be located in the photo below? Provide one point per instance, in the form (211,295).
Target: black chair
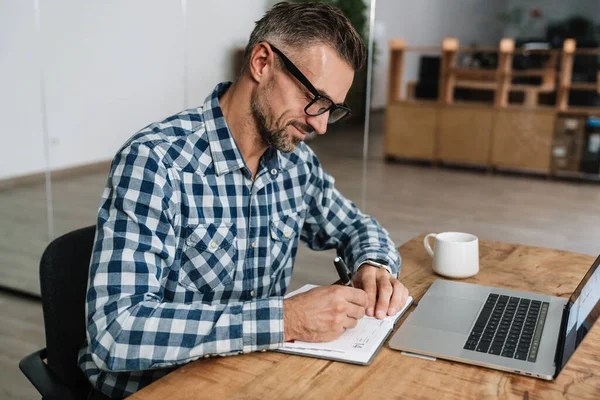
(64,271)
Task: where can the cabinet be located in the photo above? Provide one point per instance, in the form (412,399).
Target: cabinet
(412,131)
(465,134)
(523,139)
(499,134)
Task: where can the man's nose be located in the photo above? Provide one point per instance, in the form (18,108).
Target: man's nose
(319,123)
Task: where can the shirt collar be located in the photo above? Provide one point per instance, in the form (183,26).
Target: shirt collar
(225,154)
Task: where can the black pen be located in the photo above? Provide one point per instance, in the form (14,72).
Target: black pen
(342,271)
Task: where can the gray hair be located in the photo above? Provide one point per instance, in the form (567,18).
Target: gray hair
(300,25)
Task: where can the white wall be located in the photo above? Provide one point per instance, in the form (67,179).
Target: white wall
(213,38)
(426,23)
(21,128)
(111,67)
(552,11)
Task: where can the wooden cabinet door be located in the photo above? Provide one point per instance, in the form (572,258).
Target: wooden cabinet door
(410,130)
(522,139)
(465,134)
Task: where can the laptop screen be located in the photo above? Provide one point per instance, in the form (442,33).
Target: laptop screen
(584,310)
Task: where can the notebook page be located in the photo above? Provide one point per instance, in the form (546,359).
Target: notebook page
(357,344)
(366,335)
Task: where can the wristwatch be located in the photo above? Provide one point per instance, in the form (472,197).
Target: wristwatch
(378,265)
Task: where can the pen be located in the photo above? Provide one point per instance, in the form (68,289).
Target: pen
(342,271)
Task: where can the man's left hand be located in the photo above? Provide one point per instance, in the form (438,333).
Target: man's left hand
(386,294)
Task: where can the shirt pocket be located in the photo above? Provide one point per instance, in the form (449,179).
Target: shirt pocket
(209,257)
(284,237)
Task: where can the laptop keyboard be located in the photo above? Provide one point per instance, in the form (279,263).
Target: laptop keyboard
(509,327)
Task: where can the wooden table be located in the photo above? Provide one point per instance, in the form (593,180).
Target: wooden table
(393,375)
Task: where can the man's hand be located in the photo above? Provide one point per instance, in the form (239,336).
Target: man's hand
(385,293)
(323,313)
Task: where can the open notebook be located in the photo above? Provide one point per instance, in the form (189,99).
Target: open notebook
(357,345)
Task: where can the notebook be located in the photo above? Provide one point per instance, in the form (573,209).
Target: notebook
(358,345)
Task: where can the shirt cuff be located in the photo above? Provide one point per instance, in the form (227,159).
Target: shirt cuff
(262,325)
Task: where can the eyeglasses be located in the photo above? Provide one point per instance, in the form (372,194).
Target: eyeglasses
(320,104)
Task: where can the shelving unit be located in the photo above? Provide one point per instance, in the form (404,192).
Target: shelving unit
(502,135)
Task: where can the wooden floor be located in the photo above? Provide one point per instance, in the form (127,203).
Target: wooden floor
(408,200)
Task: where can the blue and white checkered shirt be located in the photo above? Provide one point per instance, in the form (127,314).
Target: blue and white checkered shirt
(192,257)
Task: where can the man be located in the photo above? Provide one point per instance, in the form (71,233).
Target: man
(202,214)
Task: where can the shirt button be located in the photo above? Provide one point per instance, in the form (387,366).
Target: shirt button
(206,356)
(287,234)
(263,350)
(254,244)
(213,244)
(252,293)
(273,171)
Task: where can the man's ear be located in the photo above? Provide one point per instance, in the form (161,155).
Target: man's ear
(261,62)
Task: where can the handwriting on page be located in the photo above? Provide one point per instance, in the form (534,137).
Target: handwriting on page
(367,334)
(361,335)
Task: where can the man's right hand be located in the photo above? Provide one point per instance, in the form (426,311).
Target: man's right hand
(323,313)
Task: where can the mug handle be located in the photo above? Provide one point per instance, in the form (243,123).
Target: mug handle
(426,243)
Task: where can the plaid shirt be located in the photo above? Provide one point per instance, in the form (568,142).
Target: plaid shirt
(192,256)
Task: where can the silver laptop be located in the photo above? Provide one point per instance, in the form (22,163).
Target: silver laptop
(525,333)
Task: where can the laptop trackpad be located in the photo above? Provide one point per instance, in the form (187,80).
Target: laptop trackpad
(447,314)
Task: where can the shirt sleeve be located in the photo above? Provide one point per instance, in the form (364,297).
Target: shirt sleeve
(129,325)
(334,222)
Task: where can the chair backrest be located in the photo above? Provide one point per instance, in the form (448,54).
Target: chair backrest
(64,270)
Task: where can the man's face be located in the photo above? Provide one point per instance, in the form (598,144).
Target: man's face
(278,103)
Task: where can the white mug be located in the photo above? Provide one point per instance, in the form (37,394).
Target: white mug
(456,254)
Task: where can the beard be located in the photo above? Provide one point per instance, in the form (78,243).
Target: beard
(273,132)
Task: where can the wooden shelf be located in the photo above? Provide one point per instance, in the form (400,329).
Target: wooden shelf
(589,86)
(590,111)
(528,72)
(478,85)
(538,88)
(498,135)
(474,74)
(587,51)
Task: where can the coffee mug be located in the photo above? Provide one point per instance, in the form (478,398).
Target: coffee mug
(456,254)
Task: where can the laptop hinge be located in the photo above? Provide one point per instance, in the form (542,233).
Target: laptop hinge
(560,346)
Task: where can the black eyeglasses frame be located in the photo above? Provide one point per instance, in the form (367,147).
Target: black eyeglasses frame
(289,65)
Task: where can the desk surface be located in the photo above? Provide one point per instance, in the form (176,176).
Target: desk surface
(276,375)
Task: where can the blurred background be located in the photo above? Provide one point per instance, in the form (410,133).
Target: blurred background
(463,134)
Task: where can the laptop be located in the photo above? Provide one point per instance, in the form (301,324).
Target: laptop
(524,333)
